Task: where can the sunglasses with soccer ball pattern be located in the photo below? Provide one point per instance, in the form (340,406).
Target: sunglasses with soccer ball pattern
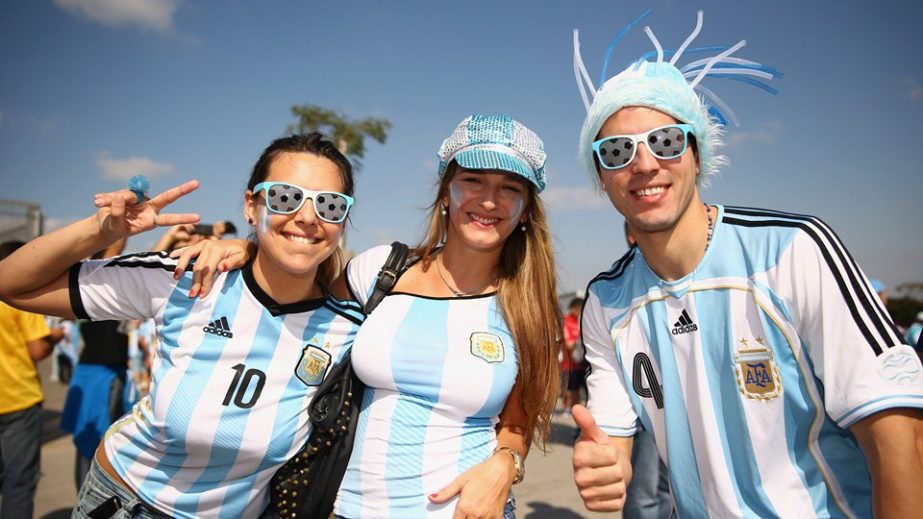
(665,142)
(285,198)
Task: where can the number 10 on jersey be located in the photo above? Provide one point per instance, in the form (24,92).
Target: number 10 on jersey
(243,379)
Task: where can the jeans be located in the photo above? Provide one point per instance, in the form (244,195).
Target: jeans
(20,450)
(509,510)
(649,491)
(99,486)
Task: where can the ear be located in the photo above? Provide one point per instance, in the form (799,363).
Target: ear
(250,203)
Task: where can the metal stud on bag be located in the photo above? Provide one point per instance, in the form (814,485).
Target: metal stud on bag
(284,505)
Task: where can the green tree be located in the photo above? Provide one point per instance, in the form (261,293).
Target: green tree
(910,290)
(904,309)
(905,302)
(349,135)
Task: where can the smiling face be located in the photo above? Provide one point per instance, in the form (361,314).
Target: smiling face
(653,194)
(295,244)
(485,207)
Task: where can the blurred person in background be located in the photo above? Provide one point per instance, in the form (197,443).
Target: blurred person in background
(95,397)
(915,331)
(572,366)
(25,339)
(64,357)
(881,289)
(184,235)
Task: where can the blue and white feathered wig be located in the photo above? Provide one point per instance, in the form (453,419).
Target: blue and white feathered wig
(675,91)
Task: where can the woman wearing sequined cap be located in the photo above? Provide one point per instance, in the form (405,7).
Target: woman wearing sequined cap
(747,342)
(460,359)
(460,368)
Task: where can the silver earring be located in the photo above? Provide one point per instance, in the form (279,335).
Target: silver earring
(523,228)
(443,211)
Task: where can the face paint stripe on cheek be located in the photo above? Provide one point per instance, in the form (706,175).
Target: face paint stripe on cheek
(518,208)
(455,198)
(263,227)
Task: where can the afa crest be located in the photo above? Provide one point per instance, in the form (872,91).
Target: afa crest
(487,346)
(313,365)
(757,374)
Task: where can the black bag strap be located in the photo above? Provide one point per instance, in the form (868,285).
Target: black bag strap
(388,275)
(328,401)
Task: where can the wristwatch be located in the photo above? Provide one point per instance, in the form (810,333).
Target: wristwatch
(517,463)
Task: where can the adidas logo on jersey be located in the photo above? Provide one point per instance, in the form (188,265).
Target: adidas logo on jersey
(684,324)
(219,327)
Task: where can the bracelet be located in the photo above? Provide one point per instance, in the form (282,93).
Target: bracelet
(517,463)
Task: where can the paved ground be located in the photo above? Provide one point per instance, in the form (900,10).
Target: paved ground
(56,490)
(548,491)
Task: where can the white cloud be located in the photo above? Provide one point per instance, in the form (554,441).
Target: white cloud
(30,123)
(155,15)
(568,198)
(765,134)
(123,169)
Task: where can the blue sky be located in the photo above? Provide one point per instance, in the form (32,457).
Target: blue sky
(93,91)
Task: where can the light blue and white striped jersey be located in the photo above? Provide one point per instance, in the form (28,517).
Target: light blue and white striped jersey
(234,374)
(750,370)
(438,371)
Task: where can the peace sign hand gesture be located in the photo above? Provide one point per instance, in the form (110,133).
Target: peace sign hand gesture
(119,215)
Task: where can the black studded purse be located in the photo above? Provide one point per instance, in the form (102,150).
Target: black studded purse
(306,485)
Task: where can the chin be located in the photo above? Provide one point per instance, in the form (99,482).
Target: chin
(485,243)
(303,262)
(652,225)
(300,268)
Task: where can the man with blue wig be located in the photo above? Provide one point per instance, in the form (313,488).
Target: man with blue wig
(746,341)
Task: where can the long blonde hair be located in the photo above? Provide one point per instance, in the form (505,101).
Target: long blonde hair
(527,293)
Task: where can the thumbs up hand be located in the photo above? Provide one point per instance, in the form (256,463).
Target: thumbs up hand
(602,465)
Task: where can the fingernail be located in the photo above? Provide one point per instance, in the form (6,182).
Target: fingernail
(433,496)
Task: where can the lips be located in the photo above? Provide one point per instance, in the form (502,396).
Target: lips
(650,193)
(297,238)
(483,220)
